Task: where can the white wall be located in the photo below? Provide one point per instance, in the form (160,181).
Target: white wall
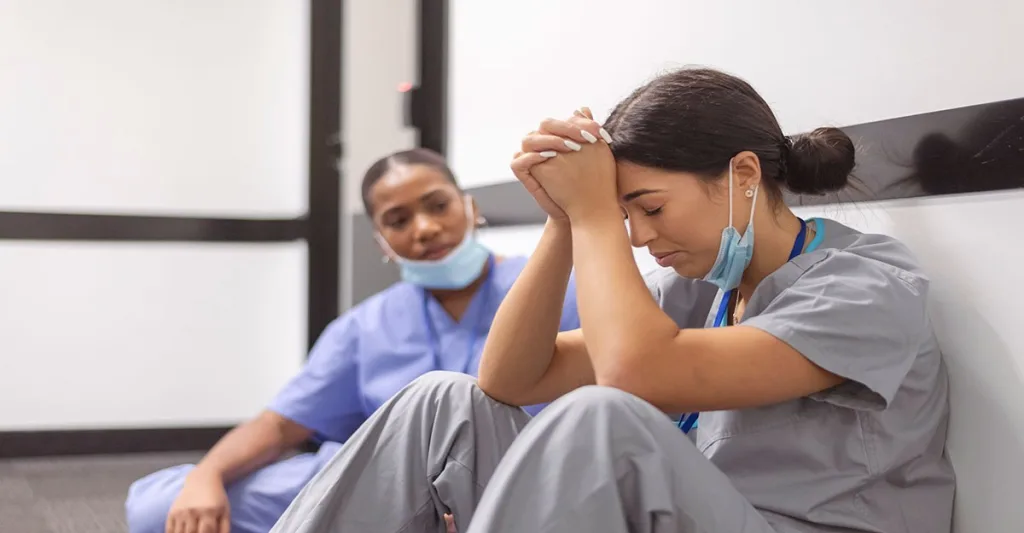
(155,107)
(158,107)
(146,335)
(817,63)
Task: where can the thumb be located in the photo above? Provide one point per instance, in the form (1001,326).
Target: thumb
(449,521)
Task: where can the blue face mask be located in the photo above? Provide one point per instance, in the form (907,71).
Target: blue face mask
(735,251)
(457,270)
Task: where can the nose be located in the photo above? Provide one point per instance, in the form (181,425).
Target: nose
(640,234)
(426,228)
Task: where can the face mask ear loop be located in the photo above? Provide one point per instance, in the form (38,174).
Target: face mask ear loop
(730,194)
(391,255)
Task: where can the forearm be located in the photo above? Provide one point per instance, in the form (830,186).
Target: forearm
(619,318)
(250,446)
(522,338)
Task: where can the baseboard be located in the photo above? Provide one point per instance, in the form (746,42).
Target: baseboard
(107,441)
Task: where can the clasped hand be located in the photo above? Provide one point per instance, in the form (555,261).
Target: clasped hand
(568,167)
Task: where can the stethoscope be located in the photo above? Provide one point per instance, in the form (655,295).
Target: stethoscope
(435,339)
(686,422)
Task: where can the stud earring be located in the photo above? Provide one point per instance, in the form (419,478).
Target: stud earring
(385,259)
(481,221)
(749,193)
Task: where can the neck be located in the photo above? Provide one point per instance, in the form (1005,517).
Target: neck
(455,301)
(773,241)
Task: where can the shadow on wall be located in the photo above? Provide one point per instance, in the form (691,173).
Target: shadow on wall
(970,149)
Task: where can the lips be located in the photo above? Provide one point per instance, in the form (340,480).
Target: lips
(665,258)
(435,253)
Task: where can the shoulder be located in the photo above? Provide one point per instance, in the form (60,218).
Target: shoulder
(853,259)
(856,307)
(856,286)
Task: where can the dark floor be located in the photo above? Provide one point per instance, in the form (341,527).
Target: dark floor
(73,495)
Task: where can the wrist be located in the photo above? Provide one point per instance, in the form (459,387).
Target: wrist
(205,474)
(601,215)
(557,224)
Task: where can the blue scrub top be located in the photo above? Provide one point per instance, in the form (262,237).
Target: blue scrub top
(374,350)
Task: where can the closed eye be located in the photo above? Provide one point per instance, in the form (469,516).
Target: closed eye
(652,212)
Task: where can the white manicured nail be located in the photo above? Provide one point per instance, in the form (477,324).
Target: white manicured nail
(572,145)
(588,136)
(605,135)
(549,153)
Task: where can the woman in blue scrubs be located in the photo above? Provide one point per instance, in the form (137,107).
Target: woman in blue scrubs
(436,318)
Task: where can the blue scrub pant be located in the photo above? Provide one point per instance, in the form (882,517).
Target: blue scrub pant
(257,500)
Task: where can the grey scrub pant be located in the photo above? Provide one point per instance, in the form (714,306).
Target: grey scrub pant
(596,460)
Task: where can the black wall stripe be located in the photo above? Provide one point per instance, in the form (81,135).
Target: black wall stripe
(16,444)
(82,227)
(320,228)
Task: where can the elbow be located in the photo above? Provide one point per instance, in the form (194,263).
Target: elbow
(640,369)
(623,379)
(488,384)
(623,370)
(493,387)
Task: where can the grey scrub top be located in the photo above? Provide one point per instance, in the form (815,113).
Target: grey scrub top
(869,454)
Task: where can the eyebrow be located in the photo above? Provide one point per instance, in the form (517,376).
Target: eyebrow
(399,208)
(432,194)
(637,194)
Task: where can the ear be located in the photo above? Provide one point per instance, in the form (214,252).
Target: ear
(478,219)
(746,170)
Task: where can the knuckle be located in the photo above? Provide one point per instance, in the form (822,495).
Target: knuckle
(549,124)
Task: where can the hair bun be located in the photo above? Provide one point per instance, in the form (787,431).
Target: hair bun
(819,162)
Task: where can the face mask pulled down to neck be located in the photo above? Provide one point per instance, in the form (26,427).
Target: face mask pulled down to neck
(457,270)
(735,251)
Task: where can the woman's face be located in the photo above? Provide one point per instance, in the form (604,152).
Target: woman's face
(677,216)
(419,212)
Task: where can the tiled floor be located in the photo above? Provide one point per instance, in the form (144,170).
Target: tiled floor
(73,495)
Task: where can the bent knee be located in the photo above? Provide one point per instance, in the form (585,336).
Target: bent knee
(443,379)
(593,397)
(150,499)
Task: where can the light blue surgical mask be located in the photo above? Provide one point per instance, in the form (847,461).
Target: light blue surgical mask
(457,270)
(735,251)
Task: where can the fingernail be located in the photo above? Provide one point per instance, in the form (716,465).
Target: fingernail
(573,145)
(588,136)
(549,153)
(605,135)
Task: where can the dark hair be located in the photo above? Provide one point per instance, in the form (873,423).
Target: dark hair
(696,119)
(416,156)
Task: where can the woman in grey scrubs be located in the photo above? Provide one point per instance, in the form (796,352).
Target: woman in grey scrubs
(804,345)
